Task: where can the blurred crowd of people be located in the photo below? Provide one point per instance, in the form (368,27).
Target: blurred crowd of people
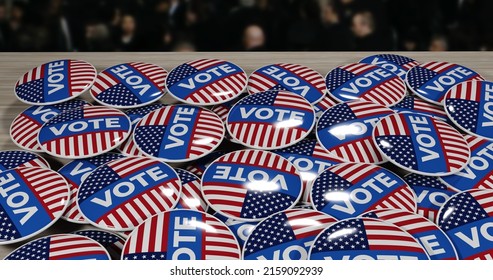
(245,25)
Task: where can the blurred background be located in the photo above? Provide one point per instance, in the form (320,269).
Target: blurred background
(246,25)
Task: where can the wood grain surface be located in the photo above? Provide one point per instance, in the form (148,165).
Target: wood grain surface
(13,65)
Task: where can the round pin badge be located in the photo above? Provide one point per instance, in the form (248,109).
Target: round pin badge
(435,242)
(75,172)
(477,174)
(206,81)
(468,106)
(182,235)
(467,218)
(251,185)
(326,103)
(345,130)
(14,159)
(191,196)
(270,120)
(430,192)
(294,78)
(286,235)
(366,82)
(350,189)
(412,104)
(198,167)
(84,132)
(432,80)
(397,64)
(60,247)
(122,193)
(55,82)
(421,144)
(129,85)
(179,133)
(25,127)
(240,229)
(112,242)
(310,158)
(33,198)
(365,239)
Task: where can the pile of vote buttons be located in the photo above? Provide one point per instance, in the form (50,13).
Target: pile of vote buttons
(385,158)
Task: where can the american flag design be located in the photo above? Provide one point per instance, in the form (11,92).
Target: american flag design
(468,106)
(467,218)
(179,133)
(191,195)
(435,242)
(397,64)
(287,235)
(206,81)
(182,235)
(60,247)
(55,82)
(75,172)
(25,127)
(432,80)
(365,239)
(413,104)
(198,167)
(477,174)
(122,193)
(295,78)
(366,82)
(240,229)
(251,184)
(347,190)
(430,192)
(310,158)
(33,198)
(421,144)
(345,130)
(129,85)
(222,110)
(112,242)
(323,105)
(271,120)
(14,159)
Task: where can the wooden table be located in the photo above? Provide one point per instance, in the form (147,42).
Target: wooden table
(13,65)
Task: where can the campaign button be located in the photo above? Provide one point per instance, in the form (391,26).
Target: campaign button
(366,82)
(467,218)
(397,64)
(365,239)
(412,104)
(421,144)
(191,196)
(55,82)
(112,242)
(436,243)
(469,106)
(270,120)
(432,80)
(310,159)
(25,127)
(345,130)
(129,85)
(178,133)
(206,81)
(14,159)
(84,132)
(430,192)
(304,205)
(287,235)
(326,103)
(75,172)
(198,167)
(347,190)
(251,185)
(182,235)
(32,199)
(294,78)
(240,229)
(122,193)
(60,247)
